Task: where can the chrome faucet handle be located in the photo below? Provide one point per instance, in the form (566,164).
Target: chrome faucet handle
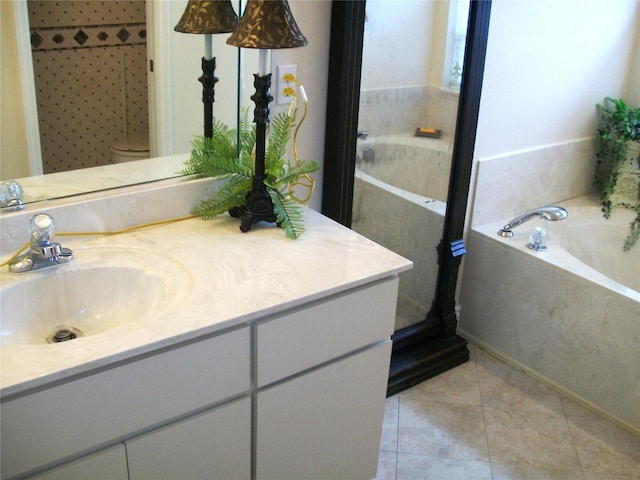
(42,230)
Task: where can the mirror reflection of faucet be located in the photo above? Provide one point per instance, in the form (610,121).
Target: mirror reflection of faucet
(368,154)
(11,196)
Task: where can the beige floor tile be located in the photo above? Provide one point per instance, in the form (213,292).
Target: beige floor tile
(458,385)
(531,433)
(528,472)
(504,387)
(442,430)
(531,438)
(389,440)
(386,466)
(604,447)
(420,467)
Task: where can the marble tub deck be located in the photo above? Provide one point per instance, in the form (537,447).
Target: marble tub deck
(485,420)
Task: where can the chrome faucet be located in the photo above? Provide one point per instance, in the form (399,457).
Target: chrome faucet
(363,134)
(551,213)
(44,252)
(10,196)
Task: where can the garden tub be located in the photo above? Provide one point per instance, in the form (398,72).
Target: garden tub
(569,316)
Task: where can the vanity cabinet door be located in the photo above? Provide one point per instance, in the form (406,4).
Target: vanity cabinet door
(325,424)
(110,464)
(325,330)
(214,444)
(114,404)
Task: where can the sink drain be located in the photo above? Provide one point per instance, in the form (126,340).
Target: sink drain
(63,334)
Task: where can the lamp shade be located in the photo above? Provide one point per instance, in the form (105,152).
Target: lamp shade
(267,24)
(208,16)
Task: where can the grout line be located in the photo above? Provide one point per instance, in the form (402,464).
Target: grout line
(484,415)
(573,440)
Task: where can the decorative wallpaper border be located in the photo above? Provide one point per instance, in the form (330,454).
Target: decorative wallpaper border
(66,38)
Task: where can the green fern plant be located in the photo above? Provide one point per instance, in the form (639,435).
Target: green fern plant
(619,125)
(220,157)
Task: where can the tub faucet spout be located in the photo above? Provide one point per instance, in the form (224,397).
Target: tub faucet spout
(363,134)
(44,252)
(552,213)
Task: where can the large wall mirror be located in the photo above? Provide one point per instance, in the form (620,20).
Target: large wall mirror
(400,156)
(94,77)
(406,123)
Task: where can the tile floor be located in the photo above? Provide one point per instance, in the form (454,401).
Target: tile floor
(485,420)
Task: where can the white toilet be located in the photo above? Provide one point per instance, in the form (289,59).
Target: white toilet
(131,148)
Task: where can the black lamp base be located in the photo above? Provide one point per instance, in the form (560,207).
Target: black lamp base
(259,207)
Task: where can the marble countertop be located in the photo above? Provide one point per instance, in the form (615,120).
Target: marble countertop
(218,278)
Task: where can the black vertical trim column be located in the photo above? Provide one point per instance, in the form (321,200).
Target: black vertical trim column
(343,105)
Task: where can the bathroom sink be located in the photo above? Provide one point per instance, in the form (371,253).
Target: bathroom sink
(86,298)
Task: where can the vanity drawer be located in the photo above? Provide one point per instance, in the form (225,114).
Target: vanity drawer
(325,330)
(98,409)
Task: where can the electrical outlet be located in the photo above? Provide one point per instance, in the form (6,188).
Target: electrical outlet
(282,70)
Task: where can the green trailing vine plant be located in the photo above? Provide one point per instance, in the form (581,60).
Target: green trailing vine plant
(619,126)
(221,157)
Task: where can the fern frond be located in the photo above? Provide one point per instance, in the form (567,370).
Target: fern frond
(288,214)
(247,135)
(208,209)
(279,133)
(229,155)
(236,186)
(212,157)
(294,172)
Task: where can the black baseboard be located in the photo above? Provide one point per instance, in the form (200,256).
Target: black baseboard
(418,355)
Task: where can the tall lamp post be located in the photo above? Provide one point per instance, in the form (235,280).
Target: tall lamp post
(265,25)
(208,17)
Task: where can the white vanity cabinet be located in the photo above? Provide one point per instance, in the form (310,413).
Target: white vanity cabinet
(212,445)
(81,417)
(325,424)
(322,378)
(296,394)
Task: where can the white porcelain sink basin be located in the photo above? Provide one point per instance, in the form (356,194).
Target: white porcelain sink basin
(99,291)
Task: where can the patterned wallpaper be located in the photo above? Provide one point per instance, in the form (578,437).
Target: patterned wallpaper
(89,61)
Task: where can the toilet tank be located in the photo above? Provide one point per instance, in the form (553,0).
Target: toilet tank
(135,147)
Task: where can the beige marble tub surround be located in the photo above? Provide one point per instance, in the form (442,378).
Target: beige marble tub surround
(235,277)
(407,108)
(508,185)
(575,351)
